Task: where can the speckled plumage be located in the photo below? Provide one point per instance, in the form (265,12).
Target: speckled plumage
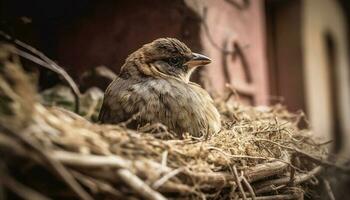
(153,89)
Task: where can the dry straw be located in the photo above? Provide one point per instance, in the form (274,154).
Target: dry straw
(54,153)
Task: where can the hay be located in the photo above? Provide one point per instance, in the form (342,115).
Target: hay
(50,152)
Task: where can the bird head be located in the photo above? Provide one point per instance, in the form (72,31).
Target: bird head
(166,58)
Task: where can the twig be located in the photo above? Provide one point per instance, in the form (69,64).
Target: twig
(250,189)
(316,160)
(275,197)
(47,63)
(168,187)
(93,161)
(292,172)
(68,178)
(131,119)
(166,177)
(95,184)
(164,158)
(328,189)
(238,181)
(140,187)
(215,179)
(267,185)
(325,142)
(264,170)
(109,161)
(178,188)
(237,156)
(90,161)
(57,166)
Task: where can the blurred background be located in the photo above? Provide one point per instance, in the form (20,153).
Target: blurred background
(294,52)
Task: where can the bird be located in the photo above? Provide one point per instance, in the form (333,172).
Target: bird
(154,86)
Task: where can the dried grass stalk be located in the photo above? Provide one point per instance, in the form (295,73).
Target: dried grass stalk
(87,160)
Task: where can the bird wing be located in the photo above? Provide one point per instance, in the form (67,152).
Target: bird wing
(118,103)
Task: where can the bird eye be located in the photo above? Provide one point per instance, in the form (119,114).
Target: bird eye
(174,61)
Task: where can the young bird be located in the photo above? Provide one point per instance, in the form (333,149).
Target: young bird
(153,87)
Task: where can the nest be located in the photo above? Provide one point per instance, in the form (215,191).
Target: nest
(50,152)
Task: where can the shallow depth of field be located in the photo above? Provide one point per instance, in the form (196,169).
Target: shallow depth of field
(279,77)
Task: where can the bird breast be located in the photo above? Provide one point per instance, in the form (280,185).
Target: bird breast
(180,106)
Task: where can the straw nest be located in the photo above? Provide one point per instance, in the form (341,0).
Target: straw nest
(49,152)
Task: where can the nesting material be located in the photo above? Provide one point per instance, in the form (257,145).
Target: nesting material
(50,152)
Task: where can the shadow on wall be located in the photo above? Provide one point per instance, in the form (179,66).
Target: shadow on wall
(84,34)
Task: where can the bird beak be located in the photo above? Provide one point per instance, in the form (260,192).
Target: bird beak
(198,60)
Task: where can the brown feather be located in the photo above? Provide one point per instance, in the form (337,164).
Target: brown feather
(154,96)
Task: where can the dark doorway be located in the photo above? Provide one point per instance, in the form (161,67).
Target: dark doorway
(284,50)
(331,51)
